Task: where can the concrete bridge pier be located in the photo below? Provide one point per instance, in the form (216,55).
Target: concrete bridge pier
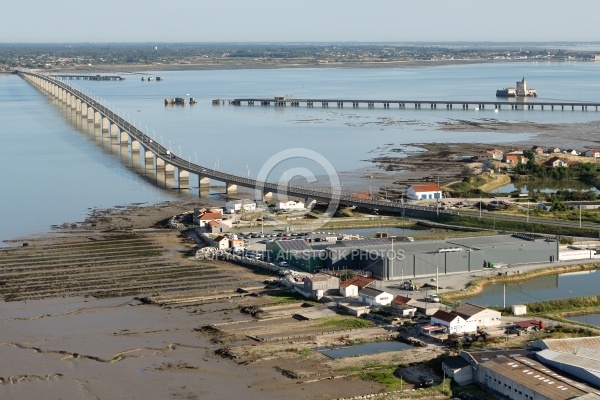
(169,170)
(267,195)
(230,188)
(105,124)
(91,114)
(114,131)
(124,138)
(97,118)
(160,165)
(148,159)
(135,146)
(183,179)
(78,106)
(203,182)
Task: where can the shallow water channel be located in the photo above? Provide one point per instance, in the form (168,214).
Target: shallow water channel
(362,349)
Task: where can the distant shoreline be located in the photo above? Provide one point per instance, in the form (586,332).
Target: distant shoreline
(233,65)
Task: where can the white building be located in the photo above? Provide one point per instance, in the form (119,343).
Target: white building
(239,205)
(350,287)
(454,323)
(482,317)
(221,242)
(289,205)
(424,192)
(374,297)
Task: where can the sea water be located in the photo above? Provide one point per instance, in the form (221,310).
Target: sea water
(54,169)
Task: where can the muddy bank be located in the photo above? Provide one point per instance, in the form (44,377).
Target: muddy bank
(428,162)
(431,162)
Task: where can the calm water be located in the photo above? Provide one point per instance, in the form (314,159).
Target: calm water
(56,168)
(577,284)
(546,187)
(591,319)
(364,349)
(371,232)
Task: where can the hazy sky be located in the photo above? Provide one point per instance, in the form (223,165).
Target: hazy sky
(299,21)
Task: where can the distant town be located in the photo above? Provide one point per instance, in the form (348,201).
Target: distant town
(222,55)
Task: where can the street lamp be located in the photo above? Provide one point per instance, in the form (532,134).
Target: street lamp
(179,151)
(248,169)
(196,155)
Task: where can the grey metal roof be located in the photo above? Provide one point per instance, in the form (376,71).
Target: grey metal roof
(365,242)
(293,245)
(370,292)
(537,377)
(456,362)
(576,360)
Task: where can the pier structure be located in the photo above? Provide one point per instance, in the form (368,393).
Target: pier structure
(88,77)
(526,105)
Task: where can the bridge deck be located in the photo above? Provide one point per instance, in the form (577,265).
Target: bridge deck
(417,103)
(90,77)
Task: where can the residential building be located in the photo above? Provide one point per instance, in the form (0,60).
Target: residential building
(553,150)
(239,205)
(221,243)
(538,150)
(402,300)
(482,317)
(593,153)
(321,284)
(514,159)
(403,306)
(453,323)
(374,297)
(289,205)
(202,216)
(215,226)
(556,162)
(572,152)
(350,287)
(495,154)
(424,192)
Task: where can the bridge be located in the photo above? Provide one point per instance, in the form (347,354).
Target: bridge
(89,77)
(159,159)
(418,104)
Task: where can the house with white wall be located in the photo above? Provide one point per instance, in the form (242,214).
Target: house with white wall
(289,205)
(234,206)
(453,323)
(374,297)
(424,192)
(350,287)
(481,316)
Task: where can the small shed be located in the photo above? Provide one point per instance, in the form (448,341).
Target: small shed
(519,309)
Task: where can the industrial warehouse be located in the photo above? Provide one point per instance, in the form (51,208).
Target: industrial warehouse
(388,259)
